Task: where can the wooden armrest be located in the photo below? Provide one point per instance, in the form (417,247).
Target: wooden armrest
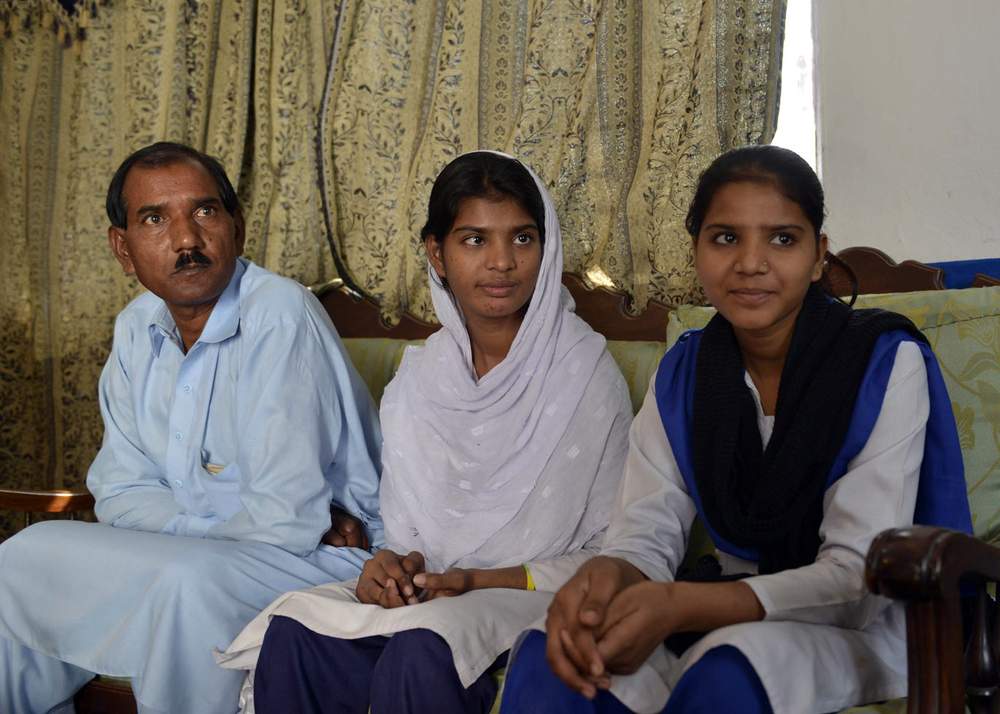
(922,563)
(922,566)
(46,501)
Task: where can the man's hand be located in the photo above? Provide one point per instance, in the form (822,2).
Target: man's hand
(346,530)
(577,614)
(447,584)
(636,622)
(387,579)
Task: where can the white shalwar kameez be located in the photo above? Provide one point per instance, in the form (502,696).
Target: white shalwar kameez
(825,642)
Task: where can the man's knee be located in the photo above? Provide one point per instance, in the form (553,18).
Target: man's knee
(195,571)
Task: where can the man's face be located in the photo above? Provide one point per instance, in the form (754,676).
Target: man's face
(180,242)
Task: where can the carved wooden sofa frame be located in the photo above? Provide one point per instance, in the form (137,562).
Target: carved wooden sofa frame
(920,566)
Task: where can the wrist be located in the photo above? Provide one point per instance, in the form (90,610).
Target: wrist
(477,579)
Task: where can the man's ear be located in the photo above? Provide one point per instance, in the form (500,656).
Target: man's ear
(434,254)
(241,235)
(119,247)
(821,247)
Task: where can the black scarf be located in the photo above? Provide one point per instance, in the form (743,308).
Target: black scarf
(771,499)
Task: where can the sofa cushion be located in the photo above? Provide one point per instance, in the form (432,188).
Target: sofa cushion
(963,327)
(378,358)
(638,362)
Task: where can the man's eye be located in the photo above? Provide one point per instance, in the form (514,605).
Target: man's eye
(206,211)
(473,240)
(724,239)
(523,239)
(152,219)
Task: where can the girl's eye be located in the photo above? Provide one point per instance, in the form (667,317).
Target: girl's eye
(523,239)
(724,239)
(783,239)
(473,240)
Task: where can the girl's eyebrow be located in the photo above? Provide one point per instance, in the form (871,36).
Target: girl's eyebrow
(777,227)
(481,229)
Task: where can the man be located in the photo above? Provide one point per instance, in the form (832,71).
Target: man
(233,419)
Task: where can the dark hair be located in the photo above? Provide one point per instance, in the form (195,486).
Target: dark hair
(165,153)
(480,174)
(788,171)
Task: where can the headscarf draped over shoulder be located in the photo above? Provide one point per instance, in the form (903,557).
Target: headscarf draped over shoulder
(464,459)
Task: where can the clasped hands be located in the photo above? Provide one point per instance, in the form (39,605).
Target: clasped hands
(393,580)
(606,620)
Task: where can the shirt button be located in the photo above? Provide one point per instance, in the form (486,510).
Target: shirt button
(178,483)
(187,388)
(178,436)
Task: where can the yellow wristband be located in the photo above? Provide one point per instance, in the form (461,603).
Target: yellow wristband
(529,580)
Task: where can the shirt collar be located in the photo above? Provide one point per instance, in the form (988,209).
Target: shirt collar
(222,323)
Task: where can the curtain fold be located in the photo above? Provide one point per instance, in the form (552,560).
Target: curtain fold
(618,106)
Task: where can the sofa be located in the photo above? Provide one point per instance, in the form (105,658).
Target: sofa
(963,326)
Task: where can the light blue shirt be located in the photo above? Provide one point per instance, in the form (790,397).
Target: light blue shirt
(248,436)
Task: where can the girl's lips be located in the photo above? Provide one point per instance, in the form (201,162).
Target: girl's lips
(499,289)
(751,297)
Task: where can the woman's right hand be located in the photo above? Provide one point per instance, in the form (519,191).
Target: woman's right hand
(387,579)
(575,616)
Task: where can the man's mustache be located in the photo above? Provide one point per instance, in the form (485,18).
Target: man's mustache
(193,257)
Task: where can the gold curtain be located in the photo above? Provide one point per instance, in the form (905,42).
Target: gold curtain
(340,114)
(241,79)
(618,104)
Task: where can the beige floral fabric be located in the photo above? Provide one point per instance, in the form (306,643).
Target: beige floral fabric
(333,118)
(617,105)
(242,79)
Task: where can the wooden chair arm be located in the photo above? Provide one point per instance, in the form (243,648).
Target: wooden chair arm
(923,563)
(922,566)
(56,501)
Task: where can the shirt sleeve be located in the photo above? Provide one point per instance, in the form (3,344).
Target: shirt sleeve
(294,390)
(129,489)
(550,575)
(879,491)
(653,512)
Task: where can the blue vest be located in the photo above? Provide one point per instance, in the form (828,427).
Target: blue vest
(942,499)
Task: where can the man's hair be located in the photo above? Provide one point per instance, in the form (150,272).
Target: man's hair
(165,153)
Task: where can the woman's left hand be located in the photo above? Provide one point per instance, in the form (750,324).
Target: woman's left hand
(636,622)
(447,584)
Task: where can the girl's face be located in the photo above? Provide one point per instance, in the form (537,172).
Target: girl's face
(756,255)
(490,258)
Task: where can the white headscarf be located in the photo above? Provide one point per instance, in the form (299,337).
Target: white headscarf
(462,456)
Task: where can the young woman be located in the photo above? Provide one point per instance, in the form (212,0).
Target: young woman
(504,444)
(797,429)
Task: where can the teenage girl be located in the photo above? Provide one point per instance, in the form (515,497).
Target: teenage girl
(797,429)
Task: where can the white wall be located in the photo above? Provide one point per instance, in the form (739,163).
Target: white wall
(908,121)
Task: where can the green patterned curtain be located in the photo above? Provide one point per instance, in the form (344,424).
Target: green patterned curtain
(242,79)
(617,104)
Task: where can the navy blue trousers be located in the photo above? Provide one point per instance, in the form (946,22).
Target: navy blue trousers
(411,672)
(723,680)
